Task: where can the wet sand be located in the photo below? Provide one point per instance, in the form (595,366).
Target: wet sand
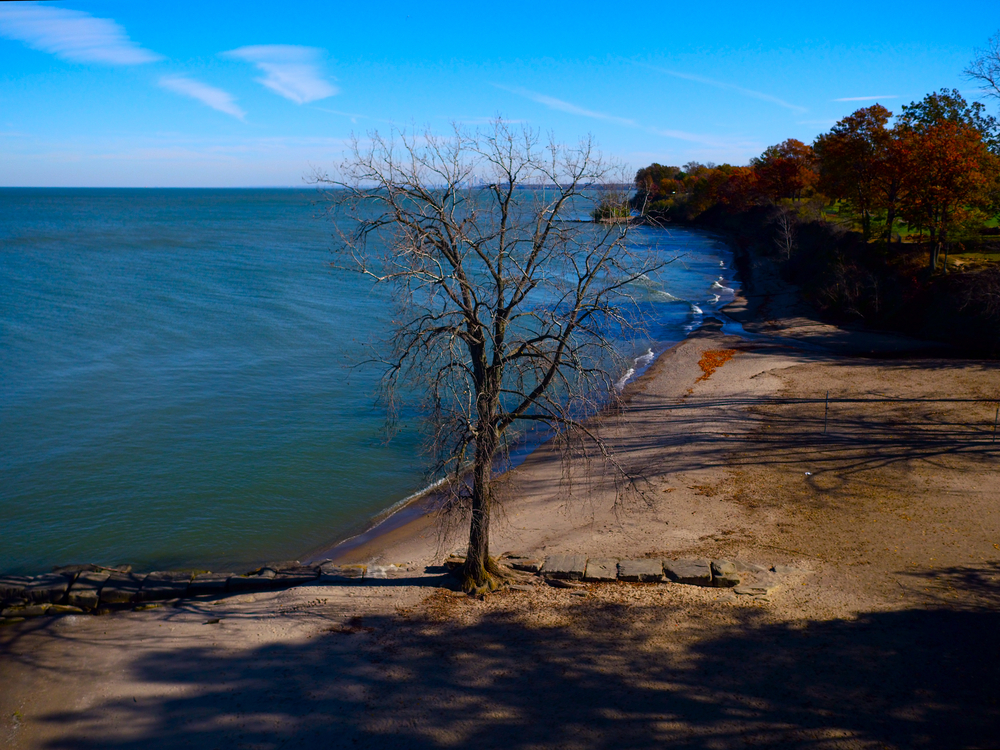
(886,507)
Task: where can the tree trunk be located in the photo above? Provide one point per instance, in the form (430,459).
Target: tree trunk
(478,555)
(890,219)
(934,254)
(481,573)
(890,211)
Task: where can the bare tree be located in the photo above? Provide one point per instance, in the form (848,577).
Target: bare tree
(509,303)
(985,67)
(784,221)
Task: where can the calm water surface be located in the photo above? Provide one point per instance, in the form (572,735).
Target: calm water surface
(176,381)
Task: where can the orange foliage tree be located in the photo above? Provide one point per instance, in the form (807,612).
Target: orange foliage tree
(854,161)
(951,179)
(785,170)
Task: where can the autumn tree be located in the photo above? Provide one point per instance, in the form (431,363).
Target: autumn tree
(853,159)
(785,170)
(655,188)
(657,180)
(951,177)
(950,106)
(507,312)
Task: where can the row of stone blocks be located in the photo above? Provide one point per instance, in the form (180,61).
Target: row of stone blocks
(697,572)
(83,588)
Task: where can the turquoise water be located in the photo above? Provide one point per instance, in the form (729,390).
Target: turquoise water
(176,380)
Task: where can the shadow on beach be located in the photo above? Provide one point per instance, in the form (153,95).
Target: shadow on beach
(606,676)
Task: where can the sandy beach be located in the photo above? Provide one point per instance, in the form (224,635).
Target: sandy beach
(882,503)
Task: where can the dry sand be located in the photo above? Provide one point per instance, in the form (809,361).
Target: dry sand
(884,637)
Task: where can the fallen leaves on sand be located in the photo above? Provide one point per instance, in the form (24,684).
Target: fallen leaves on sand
(712,360)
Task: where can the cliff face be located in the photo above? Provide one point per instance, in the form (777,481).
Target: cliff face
(849,281)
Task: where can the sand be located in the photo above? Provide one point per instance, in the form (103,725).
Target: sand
(886,507)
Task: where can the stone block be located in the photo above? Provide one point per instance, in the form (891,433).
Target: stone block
(525,564)
(601,569)
(164,585)
(63,609)
(742,566)
(29,610)
(243,584)
(85,591)
(642,571)
(332,573)
(283,565)
(208,584)
(296,576)
(565,567)
(92,579)
(47,589)
(758,588)
(12,587)
(691,572)
(84,598)
(724,575)
(121,588)
(385,571)
(72,570)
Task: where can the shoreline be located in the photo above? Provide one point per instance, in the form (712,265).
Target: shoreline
(414,514)
(884,530)
(773,308)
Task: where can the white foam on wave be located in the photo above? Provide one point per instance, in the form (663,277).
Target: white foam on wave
(623,380)
(722,287)
(666,296)
(640,362)
(696,316)
(714,299)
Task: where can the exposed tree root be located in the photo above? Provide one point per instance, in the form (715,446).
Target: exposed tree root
(479,580)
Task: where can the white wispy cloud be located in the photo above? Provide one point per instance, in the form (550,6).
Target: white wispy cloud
(866,98)
(215,98)
(563,106)
(290,71)
(71,35)
(728,87)
(701,138)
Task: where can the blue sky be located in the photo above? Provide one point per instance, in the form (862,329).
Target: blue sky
(259,94)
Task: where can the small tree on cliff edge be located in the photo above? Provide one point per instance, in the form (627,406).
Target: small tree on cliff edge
(506,305)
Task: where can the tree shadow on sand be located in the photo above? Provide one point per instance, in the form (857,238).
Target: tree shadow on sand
(601,675)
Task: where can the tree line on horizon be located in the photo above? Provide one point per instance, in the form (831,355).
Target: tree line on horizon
(935,169)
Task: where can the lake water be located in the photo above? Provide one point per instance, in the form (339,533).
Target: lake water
(176,380)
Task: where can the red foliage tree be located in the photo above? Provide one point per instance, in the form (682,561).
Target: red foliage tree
(950,176)
(854,161)
(785,170)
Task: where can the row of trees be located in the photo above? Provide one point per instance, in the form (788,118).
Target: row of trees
(936,168)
